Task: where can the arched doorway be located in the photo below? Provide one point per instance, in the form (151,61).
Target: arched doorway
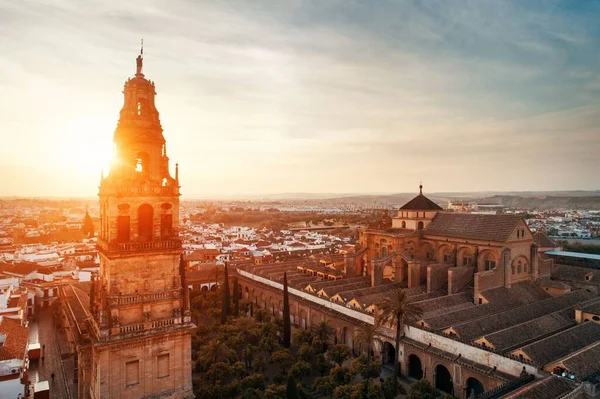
(443,379)
(474,387)
(389,354)
(415,368)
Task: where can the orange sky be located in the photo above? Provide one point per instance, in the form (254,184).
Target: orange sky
(306,97)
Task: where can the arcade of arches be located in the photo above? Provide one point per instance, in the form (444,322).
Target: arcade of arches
(414,362)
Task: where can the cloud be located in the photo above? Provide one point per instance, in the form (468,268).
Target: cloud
(264,97)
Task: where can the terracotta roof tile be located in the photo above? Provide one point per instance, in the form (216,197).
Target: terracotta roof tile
(17,337)
(496,228)
(421,203)
(562,344)
(524,333)
(585,363)
(552,387)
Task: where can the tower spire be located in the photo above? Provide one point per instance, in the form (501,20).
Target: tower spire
(421,187)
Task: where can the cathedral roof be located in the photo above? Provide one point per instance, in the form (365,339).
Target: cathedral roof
(421,203)
(473,226)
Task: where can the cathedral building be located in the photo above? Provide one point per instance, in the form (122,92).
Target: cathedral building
(498,320)
(426,245)
(135,337)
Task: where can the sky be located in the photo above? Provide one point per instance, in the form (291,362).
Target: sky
(337,96)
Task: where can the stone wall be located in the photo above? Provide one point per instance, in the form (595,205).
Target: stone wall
(159,366)
(458,278)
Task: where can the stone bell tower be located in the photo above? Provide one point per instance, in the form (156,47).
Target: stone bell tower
(140,321)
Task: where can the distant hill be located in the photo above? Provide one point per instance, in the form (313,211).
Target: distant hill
(520,200)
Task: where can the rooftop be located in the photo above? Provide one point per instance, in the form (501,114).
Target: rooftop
(569,254)
(421,203)
(497,228)
(17,336)
(562,344)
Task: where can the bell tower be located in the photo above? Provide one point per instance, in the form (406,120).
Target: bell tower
(141,324)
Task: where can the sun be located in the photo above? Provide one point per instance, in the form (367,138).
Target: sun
(86,144)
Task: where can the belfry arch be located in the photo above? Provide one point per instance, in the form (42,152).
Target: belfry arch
(145,222)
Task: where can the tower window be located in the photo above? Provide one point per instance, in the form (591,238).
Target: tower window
(123,228)
(141,163)
(132,373)
(162,366)
(145,215)
(403,224)
(141,106)
(420,225)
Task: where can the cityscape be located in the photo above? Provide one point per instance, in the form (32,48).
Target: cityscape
(354,254)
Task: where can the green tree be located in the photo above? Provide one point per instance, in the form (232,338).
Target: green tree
(226,301)
(287,328)
(365,337)
(302,336)
(291,391)
(218,373)
(422,389)
(269,341)
(253,381)
(305,353)
(300,369)
(244,334)
(283,357)
(324,386)
(323,366)
(398,310)
(236,298)
(338,354)
(323,332)
(213,352)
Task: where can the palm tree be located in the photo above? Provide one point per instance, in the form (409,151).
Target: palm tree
(323,331)
(214,351)
(245,332)
(397,309)
(367,335)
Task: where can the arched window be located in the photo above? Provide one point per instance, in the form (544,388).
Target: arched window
(141,163)
(123,228)
(383,252)
(489,262)
(403,224)
(467,257)
(141,106)
(420,226)
(145,225)
(519,267)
